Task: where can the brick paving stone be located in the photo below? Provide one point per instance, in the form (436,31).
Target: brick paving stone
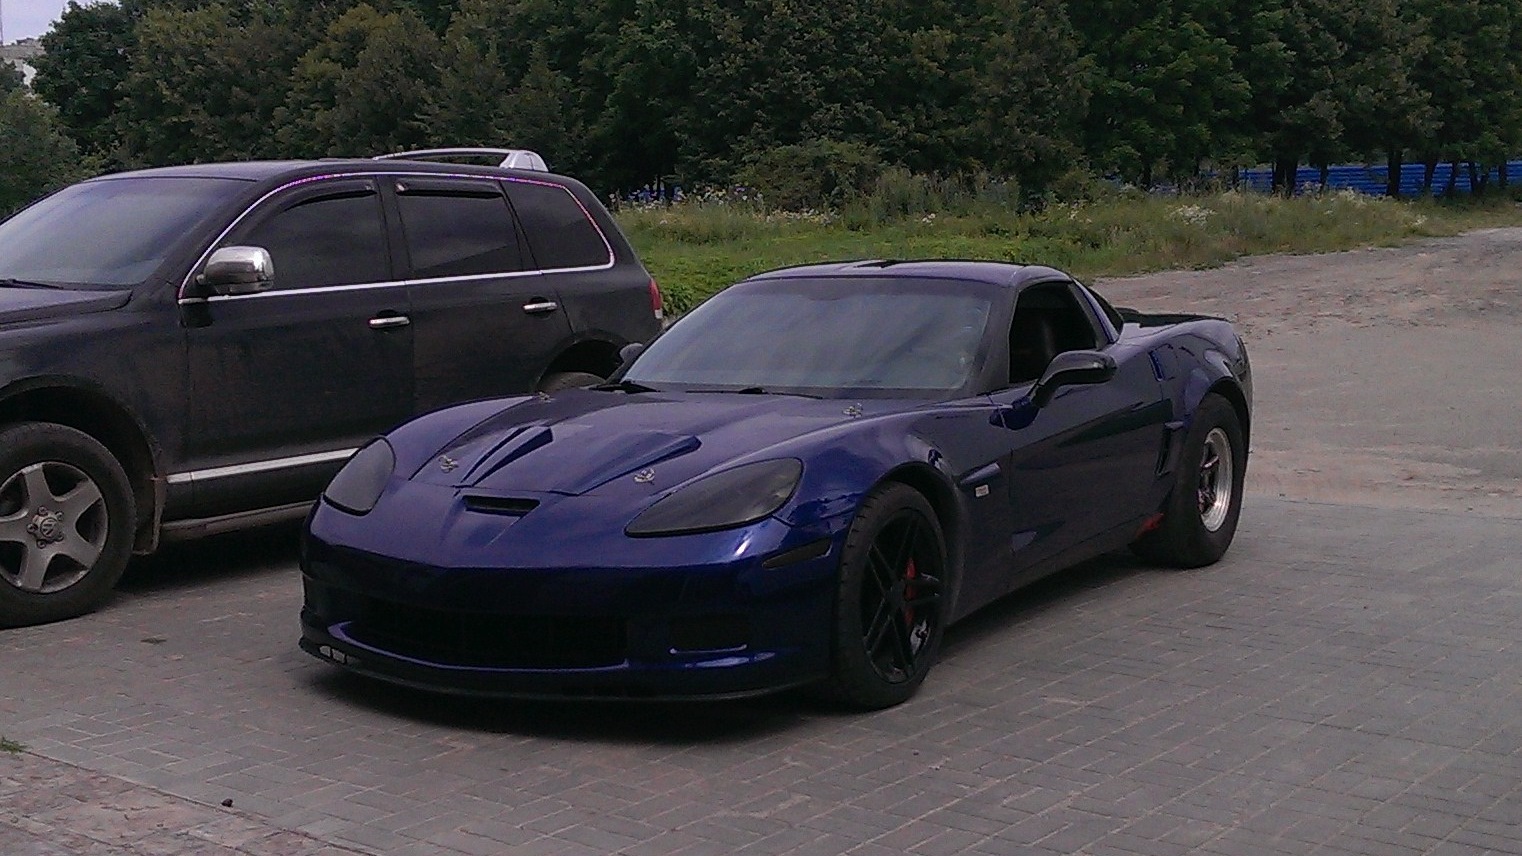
(1347,681)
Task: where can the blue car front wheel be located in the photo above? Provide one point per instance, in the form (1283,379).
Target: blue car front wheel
(889,611)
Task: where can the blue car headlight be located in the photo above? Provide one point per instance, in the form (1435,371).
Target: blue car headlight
(358,485)
(723,500)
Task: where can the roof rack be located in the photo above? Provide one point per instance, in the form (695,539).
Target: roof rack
(510,158)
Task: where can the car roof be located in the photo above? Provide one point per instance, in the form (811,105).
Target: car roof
(969,270)
(296,169)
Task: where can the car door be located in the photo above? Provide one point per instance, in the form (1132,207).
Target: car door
(286,383)
(485,321)
(1078,468)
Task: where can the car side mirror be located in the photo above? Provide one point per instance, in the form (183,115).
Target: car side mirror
(1072,368)
(237,270)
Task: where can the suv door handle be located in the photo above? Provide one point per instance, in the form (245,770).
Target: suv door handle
(384,322)
(539,306)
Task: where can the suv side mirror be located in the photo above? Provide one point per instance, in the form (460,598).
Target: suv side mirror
(1070,368)
(237,270)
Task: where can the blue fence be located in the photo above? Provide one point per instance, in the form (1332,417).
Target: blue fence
(1370,179)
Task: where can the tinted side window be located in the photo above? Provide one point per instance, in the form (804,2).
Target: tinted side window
(459,232)
(1048,321)
(335,239)
(559,232)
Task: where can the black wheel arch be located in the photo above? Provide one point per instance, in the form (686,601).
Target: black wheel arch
(85,407)
(588,353)
(1234,395)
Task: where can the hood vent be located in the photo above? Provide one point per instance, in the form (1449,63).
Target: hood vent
(508,506)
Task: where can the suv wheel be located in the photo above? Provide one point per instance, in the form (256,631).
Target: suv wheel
(66,513)
(556,381)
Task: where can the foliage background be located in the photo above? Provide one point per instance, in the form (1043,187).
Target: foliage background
(812,103)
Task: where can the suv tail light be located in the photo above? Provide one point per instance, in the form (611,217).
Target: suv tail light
(655,299)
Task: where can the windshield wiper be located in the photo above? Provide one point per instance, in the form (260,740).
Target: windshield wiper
(758,390)
(624,386)
(7,282)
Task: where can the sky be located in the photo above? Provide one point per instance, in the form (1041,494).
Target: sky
(23,18)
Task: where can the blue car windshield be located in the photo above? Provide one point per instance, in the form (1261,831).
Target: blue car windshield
(107,233)
(826,337)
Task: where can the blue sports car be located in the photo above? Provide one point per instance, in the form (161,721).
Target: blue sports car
(802,482)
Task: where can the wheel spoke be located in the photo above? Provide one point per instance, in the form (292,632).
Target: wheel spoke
(926,591)
(81,499)
(882,572)
(13,528)
(905,551)
(34,568)
(903,646)
(881,624)
(37,490)
(82,551)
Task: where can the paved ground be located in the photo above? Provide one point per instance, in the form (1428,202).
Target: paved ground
(1348,681)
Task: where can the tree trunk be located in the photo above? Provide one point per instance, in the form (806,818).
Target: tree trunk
(1326,171)
(1501,176)
(1453,179)
(1429,171)
(1478,179)
(1392,177)
(1284,175)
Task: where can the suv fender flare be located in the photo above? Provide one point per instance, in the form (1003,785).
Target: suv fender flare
(86,406)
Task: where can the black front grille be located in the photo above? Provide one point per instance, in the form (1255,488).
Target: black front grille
(491,640)
(710,633)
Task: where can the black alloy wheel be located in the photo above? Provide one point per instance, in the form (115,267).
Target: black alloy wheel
(890,609)
(1200,518)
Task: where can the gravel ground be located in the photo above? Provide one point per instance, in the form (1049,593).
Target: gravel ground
(1384,377)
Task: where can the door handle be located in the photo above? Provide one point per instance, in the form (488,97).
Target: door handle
(539,306)
(385,322)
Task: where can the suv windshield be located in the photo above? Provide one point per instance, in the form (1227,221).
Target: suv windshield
(107,233)
(827,337)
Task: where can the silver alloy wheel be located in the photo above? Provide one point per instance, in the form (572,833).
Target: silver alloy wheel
(1217,481)
(56,515)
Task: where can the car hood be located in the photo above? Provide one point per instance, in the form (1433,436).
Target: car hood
(40,304)
(580,441)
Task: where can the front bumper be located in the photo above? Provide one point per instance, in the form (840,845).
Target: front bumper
(707,629)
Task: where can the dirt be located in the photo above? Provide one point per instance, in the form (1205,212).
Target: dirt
(1385,377)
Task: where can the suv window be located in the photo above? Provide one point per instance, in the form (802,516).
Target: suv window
(459,231)
(116,231)
(558,229)
(1048,321)
(335,238)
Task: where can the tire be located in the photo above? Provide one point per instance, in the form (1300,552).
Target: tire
(889,608)
(1200,520)
(557,381)
(66,523)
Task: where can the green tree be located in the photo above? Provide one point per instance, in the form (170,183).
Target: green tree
(1025,96)
(206,84)
(1166,91)
(86,56)
(36,156)
(366,87)
(1473,72)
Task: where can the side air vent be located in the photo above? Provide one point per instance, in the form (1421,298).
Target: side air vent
(510,506)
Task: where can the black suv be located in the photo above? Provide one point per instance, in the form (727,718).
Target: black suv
(196,349)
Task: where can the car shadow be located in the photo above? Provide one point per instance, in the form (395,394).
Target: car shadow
(204,561)
(1026,603)
(697,722)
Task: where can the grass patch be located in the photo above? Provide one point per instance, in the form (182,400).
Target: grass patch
(696,249)
(10,747)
